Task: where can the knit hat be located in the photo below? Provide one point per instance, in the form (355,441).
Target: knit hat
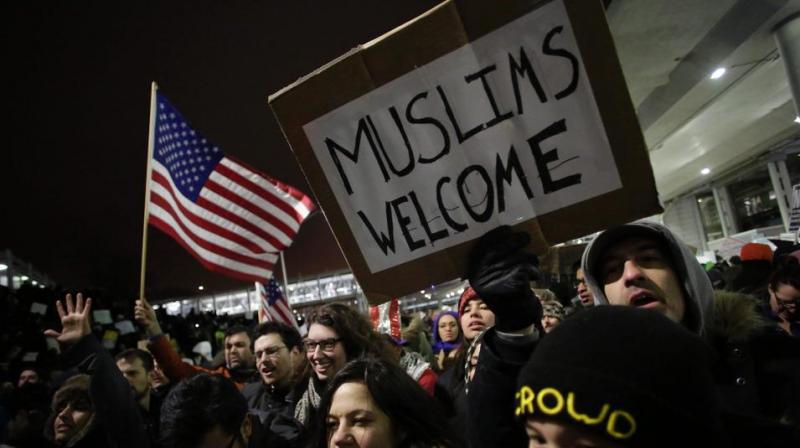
(756,251)
(642,380)
(466,296)
(552,308)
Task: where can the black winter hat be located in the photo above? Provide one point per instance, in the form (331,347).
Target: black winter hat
(630,376)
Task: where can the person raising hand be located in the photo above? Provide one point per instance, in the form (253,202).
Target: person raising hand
(96,407)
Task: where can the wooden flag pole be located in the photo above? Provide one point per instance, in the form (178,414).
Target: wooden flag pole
(150,143)
(285,281)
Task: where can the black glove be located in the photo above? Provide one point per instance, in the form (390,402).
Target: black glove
(500,272)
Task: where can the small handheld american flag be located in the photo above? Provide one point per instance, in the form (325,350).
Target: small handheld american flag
(273,304)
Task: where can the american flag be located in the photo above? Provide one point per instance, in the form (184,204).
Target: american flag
(273,305)
(233,219)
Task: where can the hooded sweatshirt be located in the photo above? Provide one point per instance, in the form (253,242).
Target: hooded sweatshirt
(697,289)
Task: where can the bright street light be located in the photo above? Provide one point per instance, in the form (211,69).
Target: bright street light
(718,73)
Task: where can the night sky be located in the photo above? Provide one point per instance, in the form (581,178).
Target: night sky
(76,120)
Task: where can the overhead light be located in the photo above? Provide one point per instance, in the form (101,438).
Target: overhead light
(705,171)
(797,119)
(200,288)
(24,278)
(34,283)
(718,73)
(3,267)
(700,201)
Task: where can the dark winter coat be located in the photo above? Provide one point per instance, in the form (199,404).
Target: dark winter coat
(757,368)
(117,421)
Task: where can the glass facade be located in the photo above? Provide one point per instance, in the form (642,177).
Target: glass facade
(754,201)
(240,302)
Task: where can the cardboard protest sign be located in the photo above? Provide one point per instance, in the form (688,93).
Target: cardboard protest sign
(473,115)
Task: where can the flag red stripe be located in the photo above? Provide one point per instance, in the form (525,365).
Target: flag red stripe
(202,222)
(230,216)
(208,245)
(264,193)
(293,192)
(282,317)
(281,310)
(249,206)
(166,228)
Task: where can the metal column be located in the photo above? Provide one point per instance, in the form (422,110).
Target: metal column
(783,189)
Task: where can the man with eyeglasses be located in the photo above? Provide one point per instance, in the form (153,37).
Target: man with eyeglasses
(279,356)
(584,298)
(784,296)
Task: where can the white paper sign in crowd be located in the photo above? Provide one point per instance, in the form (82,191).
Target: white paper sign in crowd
(497,132)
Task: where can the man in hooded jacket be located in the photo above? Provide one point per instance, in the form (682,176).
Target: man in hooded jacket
(640,265)
(643,264)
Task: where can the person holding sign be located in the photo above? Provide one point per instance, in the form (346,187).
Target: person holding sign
(475,317)
(642,264)
(499,270)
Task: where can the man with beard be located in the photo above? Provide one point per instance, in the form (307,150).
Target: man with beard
(137,366)
(239,359)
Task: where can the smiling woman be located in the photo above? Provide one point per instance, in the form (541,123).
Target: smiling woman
(336,334)
(372,403)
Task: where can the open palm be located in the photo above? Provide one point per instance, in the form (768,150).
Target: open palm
(74,320)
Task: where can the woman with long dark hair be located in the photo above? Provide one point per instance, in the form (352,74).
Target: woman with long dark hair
(373,403)
(447,338)
(336,334)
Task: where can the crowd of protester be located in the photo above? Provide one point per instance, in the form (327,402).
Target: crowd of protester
(686,355)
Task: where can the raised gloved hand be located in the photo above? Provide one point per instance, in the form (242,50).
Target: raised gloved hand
(500,271)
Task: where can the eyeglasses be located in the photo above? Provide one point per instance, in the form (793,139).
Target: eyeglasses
(271,352)
(785,304)
(326,345)
(577,283)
